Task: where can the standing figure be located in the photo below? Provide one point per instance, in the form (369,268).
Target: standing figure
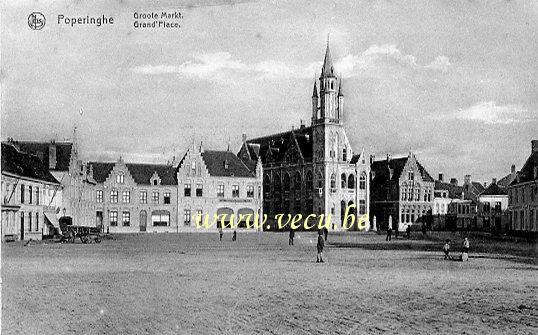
(389,230)
(220,233)
(465,250)
(408,231)
(234,236)
(325,232)
(292,235)
(446,249)
(321,244)
(424,229)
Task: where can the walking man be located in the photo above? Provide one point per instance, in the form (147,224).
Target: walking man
(446,249)
(465,250)
(292,235)
(389,230)
(234,236)
(321,244)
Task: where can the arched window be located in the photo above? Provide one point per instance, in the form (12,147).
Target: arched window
(342,211)
(297,182)
(309,182)
(362,181)
(266,185)
(351,181)
(277,184)
(286,183)
(333,181)
(343,180)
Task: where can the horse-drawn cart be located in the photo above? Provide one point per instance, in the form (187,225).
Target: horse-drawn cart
(71,232)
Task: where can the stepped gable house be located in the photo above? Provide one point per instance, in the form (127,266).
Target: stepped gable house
(313,169)
(212,183)
(403,189)
(135,197)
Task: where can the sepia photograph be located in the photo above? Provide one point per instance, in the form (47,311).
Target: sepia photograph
(269,167)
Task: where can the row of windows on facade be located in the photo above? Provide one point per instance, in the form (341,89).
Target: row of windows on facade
(522,222)
(345,182)
(30,195)
(486,207)
(187,192)
(410,194)
(120,179)
(157,218)
(412,215)
(27,218)
(517,195)
(126,197)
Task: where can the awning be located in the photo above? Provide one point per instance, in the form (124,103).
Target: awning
(51,217)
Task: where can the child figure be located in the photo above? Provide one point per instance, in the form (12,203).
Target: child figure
(321,244)
(446,249)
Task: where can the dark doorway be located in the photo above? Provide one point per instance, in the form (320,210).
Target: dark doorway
(22,226)
(143,220)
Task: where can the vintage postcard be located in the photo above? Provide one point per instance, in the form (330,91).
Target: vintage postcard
(269,167)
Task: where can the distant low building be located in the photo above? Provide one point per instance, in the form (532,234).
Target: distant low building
(401,189)
(453,208)
(31,196)
(216,183)
(134,197)
(523,195)
(492,208)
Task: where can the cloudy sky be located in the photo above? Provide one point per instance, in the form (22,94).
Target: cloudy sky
(456,82)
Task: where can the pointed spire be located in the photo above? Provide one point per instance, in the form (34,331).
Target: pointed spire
(315,92)
(328,69)
(340,92)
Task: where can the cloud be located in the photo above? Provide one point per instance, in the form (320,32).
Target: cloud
(441,63)
(490,113)
(212,65)
(385,55)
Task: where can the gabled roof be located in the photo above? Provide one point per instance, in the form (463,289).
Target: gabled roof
(24,164)
(527,171)
(272,148)
(478,186)
(225,164)
(493,189)
(506,180)
(454,191)
(381,169)
(41,150)
(141,173)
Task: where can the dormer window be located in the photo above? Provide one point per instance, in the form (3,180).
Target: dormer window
(193,166)
(120,178)
(155,182)
(226,165)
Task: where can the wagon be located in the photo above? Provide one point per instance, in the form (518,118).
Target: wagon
(71,232)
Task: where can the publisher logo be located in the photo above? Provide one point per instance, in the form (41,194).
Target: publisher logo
(36,21)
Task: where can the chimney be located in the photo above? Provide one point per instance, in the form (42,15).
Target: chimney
(467,179)
(440,176)
(372,159)
(513,169)
(494,180)
(389,157)
(534,145)
(52,156)
(244,138)
(453,181)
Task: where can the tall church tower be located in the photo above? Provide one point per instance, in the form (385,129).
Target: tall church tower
(331,148)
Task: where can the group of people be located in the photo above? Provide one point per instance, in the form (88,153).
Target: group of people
(464,250)
(396,231)
(221,234)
